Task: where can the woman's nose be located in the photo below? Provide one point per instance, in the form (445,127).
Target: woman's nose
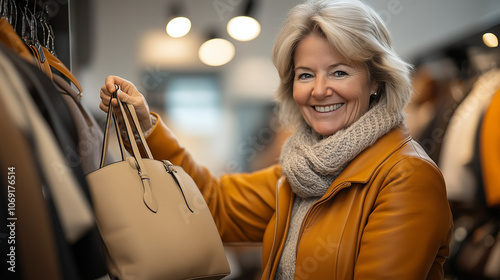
(321,88)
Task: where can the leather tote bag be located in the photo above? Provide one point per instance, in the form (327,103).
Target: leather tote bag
(153,220)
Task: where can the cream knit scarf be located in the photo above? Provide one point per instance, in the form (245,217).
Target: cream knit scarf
(311,162)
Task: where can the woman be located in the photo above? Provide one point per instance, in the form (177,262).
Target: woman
(354,197)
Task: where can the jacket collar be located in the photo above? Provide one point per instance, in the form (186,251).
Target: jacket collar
(364,165)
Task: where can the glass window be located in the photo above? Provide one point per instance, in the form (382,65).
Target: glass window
(193,102)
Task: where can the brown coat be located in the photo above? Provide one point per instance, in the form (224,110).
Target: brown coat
(386,216)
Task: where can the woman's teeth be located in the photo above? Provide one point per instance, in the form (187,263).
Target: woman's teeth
(325,109)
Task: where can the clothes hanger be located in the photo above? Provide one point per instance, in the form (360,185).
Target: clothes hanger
(5,12)
(49,51)
(27,44)
(49,40)
(8,35)
(8,10)
(29,33)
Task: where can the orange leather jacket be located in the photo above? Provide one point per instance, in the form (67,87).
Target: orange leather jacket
(386,216)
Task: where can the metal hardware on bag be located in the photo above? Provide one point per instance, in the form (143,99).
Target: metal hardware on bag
(169,167)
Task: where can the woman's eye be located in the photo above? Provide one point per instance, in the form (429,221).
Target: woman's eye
(339,74)
(304,76)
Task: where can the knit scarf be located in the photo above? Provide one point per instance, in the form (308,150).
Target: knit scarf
(311,161)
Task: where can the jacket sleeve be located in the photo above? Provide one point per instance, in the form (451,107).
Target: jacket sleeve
(409,228)
(241,204)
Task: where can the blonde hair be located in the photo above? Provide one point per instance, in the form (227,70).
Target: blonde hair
(358,33)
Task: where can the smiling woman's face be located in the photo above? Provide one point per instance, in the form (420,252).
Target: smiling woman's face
(331,93)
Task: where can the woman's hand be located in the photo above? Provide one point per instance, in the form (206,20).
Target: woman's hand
(128,93)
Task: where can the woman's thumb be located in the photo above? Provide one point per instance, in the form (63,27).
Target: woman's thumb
(123,96)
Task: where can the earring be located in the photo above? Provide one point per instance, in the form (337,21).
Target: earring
(374,94)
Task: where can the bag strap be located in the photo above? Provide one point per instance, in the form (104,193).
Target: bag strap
(135,120)
(111,116)
(148,196)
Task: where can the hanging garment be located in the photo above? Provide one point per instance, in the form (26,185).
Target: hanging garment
(37,229)
(60,68)
(83,239)
(458,146)
(68,128)
(35,53)
(490,151)
(88,130)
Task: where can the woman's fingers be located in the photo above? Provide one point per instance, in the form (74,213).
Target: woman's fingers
(128,93)
(113,81)
(125,97)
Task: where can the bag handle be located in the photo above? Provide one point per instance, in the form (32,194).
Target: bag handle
(137,126)
(135,121)
(136,158)
(111,116)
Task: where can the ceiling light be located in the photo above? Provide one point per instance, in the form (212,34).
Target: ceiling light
(178,27)
(490,40)
(243,28)
(216,52)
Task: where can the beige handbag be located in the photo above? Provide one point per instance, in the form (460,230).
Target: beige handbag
(153,220)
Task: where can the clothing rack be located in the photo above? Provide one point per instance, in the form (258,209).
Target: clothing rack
(49,130)
(456,83)
(42,21)
(462,49)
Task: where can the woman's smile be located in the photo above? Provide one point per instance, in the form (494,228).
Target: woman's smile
(328,108)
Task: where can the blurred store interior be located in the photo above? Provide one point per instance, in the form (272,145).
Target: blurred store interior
(222,121)
(225,115)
